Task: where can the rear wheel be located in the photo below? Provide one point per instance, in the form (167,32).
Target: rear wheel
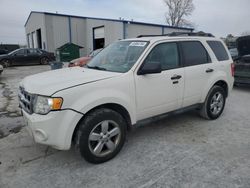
(214,104)
(101,135)
(5,63)
(44,61)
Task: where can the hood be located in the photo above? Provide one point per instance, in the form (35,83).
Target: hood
(243,45)
(47,83)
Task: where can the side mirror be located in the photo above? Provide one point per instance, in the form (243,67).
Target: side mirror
(150,67)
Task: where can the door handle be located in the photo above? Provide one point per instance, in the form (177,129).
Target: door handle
(209,70)
(176,77)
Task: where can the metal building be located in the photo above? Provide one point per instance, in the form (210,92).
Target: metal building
(49,31)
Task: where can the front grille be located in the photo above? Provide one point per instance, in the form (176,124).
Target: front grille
(25,100)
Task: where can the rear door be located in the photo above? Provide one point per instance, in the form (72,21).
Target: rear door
(33,56)
(198,70)
(162,92)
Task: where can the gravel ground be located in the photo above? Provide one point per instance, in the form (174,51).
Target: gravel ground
(182,150)
(10,114)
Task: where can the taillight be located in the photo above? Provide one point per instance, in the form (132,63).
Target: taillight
(232,69)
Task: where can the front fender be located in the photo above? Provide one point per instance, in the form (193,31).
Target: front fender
(95,99)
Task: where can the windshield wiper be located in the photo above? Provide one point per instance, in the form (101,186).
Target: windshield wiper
(96,67)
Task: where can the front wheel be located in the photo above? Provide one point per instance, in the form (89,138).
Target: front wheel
(101,135)
(5,63)
(44,61)
(214,104)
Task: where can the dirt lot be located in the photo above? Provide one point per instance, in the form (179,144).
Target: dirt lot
(178,151)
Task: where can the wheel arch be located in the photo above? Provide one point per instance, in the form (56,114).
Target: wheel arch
(113,106)
(223,84)
(220,82)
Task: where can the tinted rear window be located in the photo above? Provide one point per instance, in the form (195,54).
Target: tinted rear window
(194,53)
(219,50)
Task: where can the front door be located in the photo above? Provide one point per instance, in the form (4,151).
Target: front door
(160,93)
(20,57)
(33,56)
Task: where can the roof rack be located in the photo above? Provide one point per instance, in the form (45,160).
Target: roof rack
(174,34)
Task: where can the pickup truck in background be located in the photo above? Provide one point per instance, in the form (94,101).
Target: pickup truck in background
(242,62)
(1,69)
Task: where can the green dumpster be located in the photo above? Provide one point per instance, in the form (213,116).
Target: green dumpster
(68,52)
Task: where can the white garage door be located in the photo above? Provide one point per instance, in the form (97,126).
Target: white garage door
(99,33)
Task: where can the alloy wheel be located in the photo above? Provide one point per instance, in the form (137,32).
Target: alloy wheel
(104,138)
(44,61)
(217,103)
(5,63)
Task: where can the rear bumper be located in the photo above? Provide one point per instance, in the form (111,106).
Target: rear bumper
(241,80)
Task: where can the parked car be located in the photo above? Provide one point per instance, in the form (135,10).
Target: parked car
(92,107)
(84,60)
(3,51)
(26,56)
(242,65)
(1,69)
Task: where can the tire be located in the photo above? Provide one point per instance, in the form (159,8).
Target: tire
(44,61)
(5,63)
(101,135)
(214,103)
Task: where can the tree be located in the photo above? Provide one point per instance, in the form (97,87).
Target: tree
(177,11)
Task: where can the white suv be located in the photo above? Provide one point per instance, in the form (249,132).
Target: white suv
(128,81)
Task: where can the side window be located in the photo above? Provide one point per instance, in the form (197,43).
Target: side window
(219,50)
(194,53)
(32,51)
(166,54)
(20,52)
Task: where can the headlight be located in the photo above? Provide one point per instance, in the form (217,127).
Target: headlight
(43,105)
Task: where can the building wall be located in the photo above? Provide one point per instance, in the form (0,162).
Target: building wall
(134,30)
(78,34)
(57,29)
(36,21)
(113,31)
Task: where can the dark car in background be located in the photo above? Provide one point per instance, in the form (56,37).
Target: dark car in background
(26,56)
(3,51)
(242,62)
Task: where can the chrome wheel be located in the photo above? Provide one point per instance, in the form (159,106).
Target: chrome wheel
(5,63)
(44,61)
(104,138)
(217,103)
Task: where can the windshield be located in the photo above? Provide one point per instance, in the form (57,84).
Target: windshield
(13,52)
(95,52)
(119,56)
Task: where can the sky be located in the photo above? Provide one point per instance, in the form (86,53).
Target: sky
(220,17)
